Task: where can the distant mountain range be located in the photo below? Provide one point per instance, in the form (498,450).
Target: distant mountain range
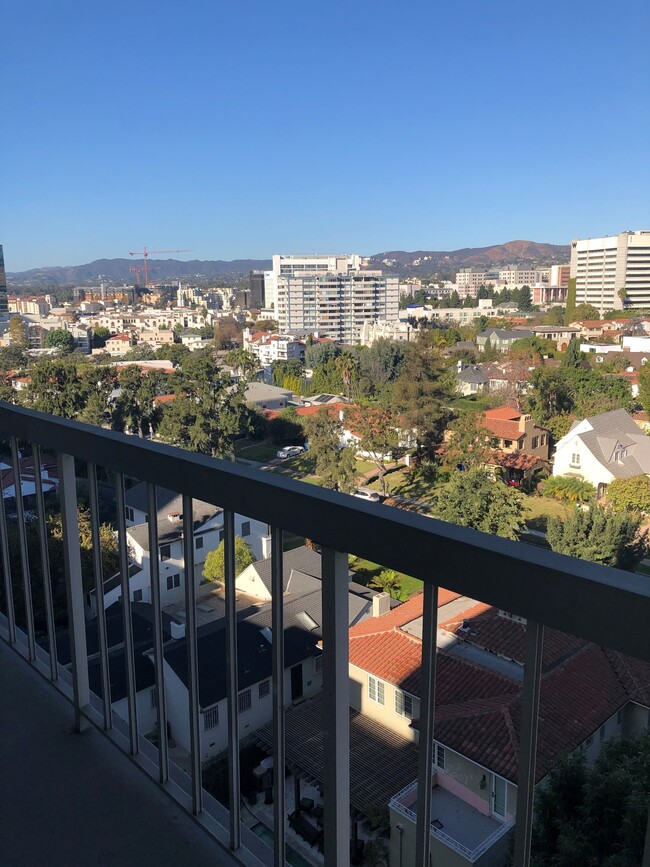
(419,262)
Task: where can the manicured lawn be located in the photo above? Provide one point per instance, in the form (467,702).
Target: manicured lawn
(365,570)
(257,452)
(539,509)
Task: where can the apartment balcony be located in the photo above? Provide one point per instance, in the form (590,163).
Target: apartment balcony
(99,776)
(455,825)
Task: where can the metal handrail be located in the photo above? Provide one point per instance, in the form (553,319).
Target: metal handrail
(547,589)
(557,591)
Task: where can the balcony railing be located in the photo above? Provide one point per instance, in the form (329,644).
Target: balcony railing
(471,855)
(599,604)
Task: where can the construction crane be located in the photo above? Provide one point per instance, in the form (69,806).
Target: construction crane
(137,271)
(146,253)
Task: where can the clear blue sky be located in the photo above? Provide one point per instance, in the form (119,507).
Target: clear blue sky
(243,128)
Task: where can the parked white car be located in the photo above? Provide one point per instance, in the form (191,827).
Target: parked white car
(290,451)
(364,494)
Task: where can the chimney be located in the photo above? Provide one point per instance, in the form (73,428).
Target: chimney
(177,630)
(380,604)
(266,547)
(174,517)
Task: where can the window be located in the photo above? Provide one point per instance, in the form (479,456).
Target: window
(199,543)
(244,701)
(542,440)
(137,595)
(376,690)
(128,511)
(245,528)
(575,460)
(403,704)
(589,741)
(165,552)
(440,757)
(318,664)
(535,442)
(173,581)
(220,535)
(154,698)
(507,444)
(264,689)
(211,718)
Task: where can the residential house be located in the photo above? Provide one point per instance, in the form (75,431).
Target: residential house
(471,379)
(303,620)
(268,347)
(500,338)
(118,344)
(559,334)
(208,534)
(267,396)
(520,446)
(602,448)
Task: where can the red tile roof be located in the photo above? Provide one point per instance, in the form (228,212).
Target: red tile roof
(478,709)
(302,411)
(507,430)
(508,413)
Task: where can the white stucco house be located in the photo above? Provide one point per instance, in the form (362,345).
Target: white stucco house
(208,534)
(603,448)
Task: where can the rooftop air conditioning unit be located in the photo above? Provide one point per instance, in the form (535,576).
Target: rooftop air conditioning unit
(177,630)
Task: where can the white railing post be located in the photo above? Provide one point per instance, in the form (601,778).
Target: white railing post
(336,703)
(74,588)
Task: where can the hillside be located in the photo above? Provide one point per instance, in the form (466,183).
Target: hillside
(394,261)
(512,252)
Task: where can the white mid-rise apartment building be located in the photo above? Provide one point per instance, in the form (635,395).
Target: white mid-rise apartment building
(331,295)
(612,272)
(514,276)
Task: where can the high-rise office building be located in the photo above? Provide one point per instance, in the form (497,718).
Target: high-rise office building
(3,285)
(612,272)
(256,289)
(331,295)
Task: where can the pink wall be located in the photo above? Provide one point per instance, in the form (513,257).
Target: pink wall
(446,781)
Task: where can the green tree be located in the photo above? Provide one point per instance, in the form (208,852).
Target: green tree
(13,357)
(525,299)
(61,339)
(474,499)
(388,581)
(17,331)
(207,411)
(242,361)
(644,387)
(377,428)
(55,388)
(586,311)
(573,357)
(287,368)
(336,466)
(214,568)
(286,428)
(599,535)
(468,443)
(630,495)
(594,816)
(568,490)
(421,396)
(570,312)
(100,336)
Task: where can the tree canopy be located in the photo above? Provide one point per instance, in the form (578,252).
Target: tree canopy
(214,568)
(474,499)
(60,338)
(600,535)
(594,816)
(335,465)
(630,495)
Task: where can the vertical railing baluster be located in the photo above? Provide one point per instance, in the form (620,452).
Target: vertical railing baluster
(277,632)
(192,654)
(231,676)
(528,742)
(125,584)
(646,849)
(336,708)
(6,572)
(427,720)
(45,562)
(154,574)
(24,555)
(74,587)
(98,570)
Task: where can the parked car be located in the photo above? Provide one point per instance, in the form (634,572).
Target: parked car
(364,494)
(290,451)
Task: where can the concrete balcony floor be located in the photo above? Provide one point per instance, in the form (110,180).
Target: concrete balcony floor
(76,799)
